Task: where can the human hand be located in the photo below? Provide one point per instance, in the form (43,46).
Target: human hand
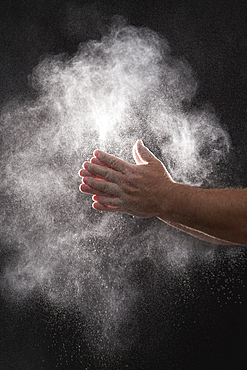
(139,189)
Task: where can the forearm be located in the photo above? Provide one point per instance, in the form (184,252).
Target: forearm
(216,215)
(200,235)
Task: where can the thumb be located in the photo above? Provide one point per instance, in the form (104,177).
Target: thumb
(141,154)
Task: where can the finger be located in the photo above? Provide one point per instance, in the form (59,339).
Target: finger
(88,190)
(137,159)
(95,160)
(112,201)
(102,171)
(112,161)
(104,186)
(143,153)
(84,172)
(103,208)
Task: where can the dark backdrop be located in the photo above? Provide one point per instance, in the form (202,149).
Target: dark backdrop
(212,36)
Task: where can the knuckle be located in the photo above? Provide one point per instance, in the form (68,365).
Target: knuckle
(107,175)
(105,187)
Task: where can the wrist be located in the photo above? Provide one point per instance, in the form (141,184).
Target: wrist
(173,204)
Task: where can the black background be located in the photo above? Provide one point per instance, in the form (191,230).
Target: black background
(212,36)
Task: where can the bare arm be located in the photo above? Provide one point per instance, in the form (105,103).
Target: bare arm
(194,217)
(146,190)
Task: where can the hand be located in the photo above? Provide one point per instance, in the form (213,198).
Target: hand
(118,186)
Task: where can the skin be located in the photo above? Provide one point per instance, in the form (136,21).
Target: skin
(146,189)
